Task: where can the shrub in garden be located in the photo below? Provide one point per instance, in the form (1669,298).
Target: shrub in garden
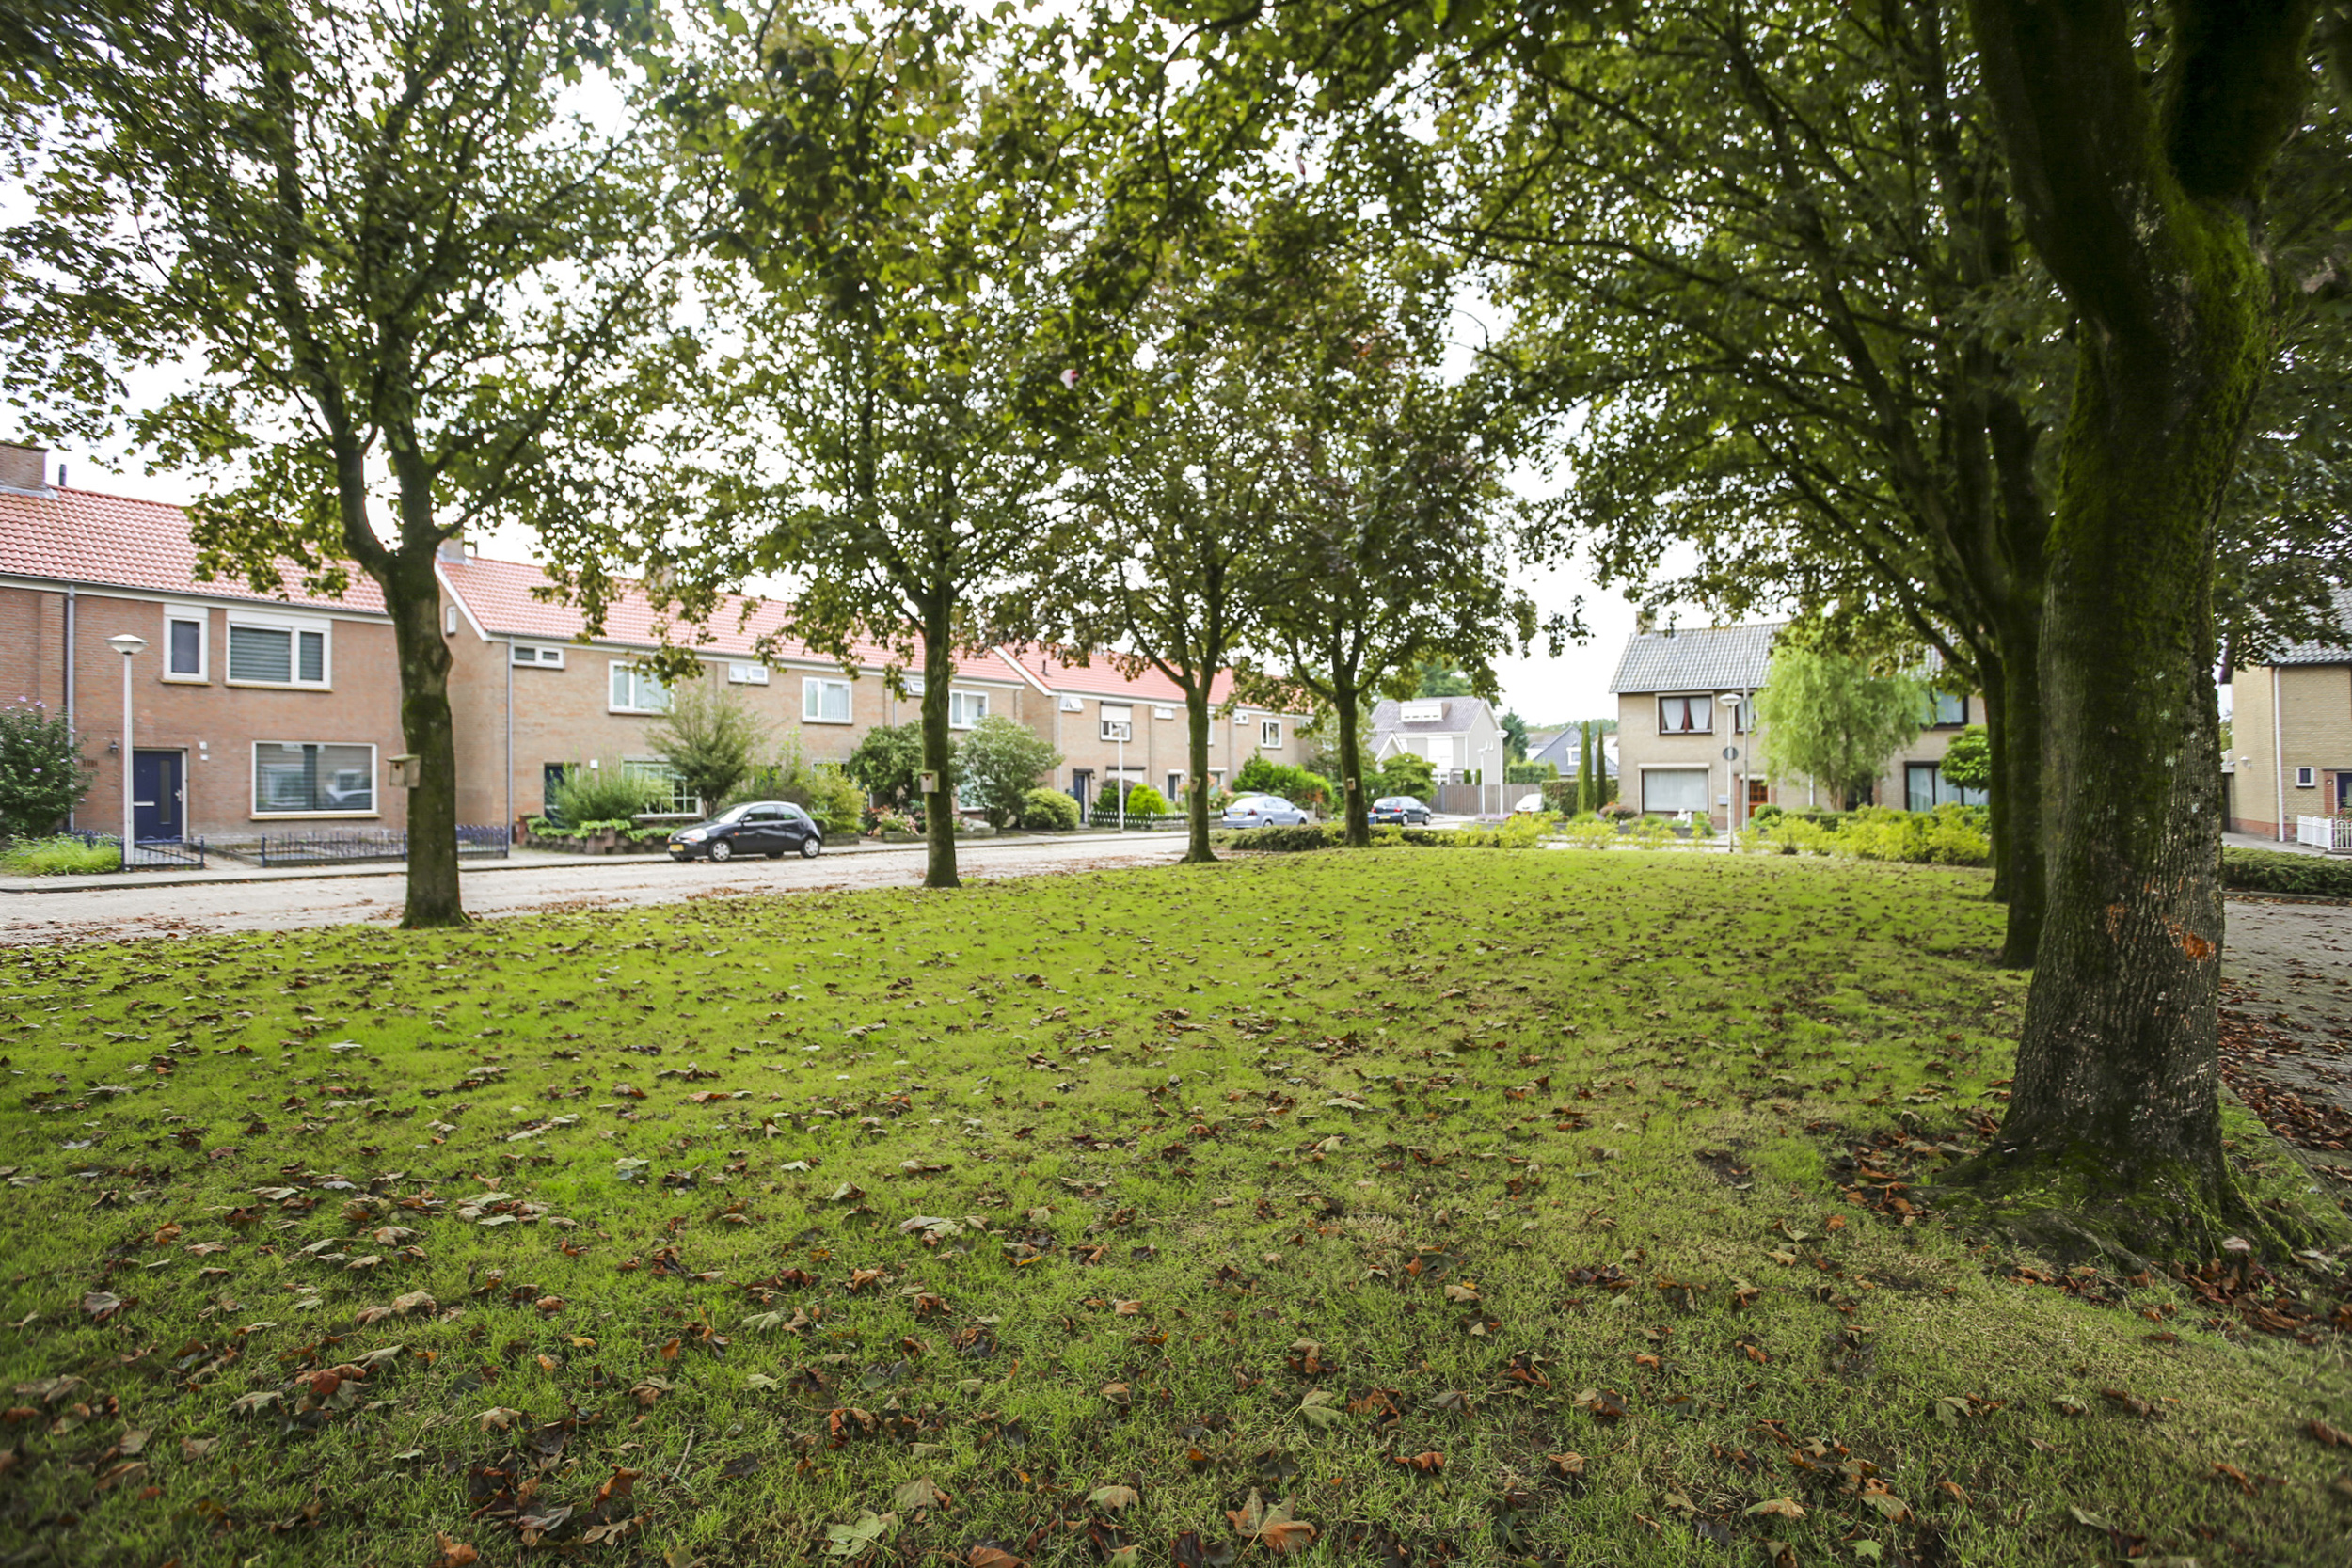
(588,798)
(998,766)
(42,773)
(1049,810)
(1260,776)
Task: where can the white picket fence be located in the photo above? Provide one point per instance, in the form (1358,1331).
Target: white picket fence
(2325,832)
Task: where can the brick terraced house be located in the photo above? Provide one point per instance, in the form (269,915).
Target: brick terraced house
(249,711)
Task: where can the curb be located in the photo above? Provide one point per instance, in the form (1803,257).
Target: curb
(116,880)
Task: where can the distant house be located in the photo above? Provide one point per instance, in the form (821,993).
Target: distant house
(1682,748)
(1458,734)
(1565,749)
(2291,736)
(250,712)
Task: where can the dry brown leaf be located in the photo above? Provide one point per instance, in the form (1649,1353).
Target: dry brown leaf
(451,1552)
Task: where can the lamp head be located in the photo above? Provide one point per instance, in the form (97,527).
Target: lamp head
(126,643)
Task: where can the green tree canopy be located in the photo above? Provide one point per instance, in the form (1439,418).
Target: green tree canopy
(399,279)
(1828,717)
(1969,761)
(887,763)
(710,737)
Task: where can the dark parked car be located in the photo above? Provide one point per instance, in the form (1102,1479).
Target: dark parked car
(770,828)
(1261,810)
(1400,811)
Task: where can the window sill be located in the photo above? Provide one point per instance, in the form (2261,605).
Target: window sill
(280,685)
(311,816)
(808,721)
(186,680)
(639,712)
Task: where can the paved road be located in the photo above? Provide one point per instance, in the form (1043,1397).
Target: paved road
(131,910)
(2286,1022)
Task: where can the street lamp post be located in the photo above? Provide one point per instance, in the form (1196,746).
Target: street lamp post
(1122,778)
(1734,703)
(126,645)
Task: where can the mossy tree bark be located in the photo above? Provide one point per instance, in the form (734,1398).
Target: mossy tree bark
(412,594)
(939,741)
(2142,210)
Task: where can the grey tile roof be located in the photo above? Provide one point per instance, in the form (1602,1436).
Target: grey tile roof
(1461,714)
(1701,658)
(2322,653)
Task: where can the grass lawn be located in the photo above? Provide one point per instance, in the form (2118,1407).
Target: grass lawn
(1456,1207)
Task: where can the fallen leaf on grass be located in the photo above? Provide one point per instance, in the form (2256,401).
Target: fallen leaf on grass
(1320,1408)
(1565,1464)
(995,1557)
(861,1535)
(1271,1527)
(1779,1508)
(2335,1437)
(451,1552)
(2084,1517)
(919,1493)
(1117,1498)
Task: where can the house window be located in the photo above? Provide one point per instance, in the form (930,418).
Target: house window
(1945,711)
(1175,790)
(1925,787)
(2306,777)
(183,645)
(1670,789)
(680,801)
(914,686)
(636,691)
(1241,720)
(1269,732)
(741,672)
(1118,721)
(276,653)
(825,702)
(308,779)
(1686,715)
(1163,713)
(537,655)
(1073,704)
(1744,716)
(965,709)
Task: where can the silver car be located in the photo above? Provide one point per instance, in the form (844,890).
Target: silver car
(1261,810)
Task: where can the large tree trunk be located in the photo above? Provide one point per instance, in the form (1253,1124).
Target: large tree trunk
(2117,1069)
(412,596)
(2145,220)
(1345,703)
(938,749)
(1197,850)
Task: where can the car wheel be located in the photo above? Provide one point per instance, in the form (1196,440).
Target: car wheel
(812,847)
(722,850)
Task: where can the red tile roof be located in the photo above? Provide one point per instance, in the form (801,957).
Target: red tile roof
(1100,679)
(87,538)
(499,595)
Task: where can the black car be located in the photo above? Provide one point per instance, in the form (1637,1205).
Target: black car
(770,828)
(1400,810)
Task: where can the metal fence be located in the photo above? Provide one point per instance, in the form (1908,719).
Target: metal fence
(146,853)
(356,847)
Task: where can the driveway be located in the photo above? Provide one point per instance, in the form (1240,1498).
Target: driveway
(138,908)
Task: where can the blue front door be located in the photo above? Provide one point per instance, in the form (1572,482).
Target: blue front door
(156,795)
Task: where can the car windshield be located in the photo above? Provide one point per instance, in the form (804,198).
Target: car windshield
(733,813)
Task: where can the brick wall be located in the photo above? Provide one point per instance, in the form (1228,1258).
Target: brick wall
(213,723)
(1640,744)
(2314,718)
(1158,747)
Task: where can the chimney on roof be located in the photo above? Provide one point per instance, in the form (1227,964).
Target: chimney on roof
(453,547)
(23,467)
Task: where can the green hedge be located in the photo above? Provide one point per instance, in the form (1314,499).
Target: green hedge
(1518,834)
(2276,871)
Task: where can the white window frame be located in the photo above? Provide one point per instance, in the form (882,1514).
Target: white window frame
(1073,704)
(812,690)
(960,714)
(1270,733)
(542,655)
(253,779)
(293,627)
(1115,721)
(201,618)
(746,673)
(656,768)
(1163,713)
(1241,720)
(613,671)
(2307,778)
